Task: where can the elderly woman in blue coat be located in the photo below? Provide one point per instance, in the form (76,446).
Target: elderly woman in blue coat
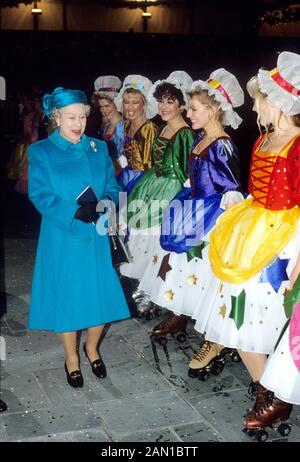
(74,284)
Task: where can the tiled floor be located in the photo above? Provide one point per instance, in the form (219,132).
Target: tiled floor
(147,395)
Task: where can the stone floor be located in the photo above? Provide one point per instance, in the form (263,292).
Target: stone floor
(147,395)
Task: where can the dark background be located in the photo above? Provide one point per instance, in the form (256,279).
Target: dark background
(46,59)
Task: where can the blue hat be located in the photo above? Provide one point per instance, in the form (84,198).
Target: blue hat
(60,97)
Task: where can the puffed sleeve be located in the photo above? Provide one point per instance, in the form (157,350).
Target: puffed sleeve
(112,189)
(148,133)
(223,166)
(293,170)
(53,208)
(181,149)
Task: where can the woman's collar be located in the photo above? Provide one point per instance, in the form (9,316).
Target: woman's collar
(64,144)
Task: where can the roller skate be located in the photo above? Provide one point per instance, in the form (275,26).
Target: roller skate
(141,302)
(234,356)
(152,312)
(138,301)
(268,411)
(173,325)
(257,391)
(138,295)
(252,389)
(146,309)
(3,406)
(210,358)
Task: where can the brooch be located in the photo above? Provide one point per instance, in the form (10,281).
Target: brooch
(93,146)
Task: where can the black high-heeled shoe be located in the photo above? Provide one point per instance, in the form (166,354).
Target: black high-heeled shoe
(3,406)
(97,366)
(75,378)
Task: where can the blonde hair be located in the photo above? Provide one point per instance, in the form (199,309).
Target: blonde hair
(253,88)
(256,94)
(207,100)
(134,91)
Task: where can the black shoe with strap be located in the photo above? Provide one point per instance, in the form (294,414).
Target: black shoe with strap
(97,366)
(3,406)
(75,378)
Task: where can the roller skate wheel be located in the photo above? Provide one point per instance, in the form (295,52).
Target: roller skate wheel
(284,429)
(193,373)
(262,436)
(217,368)
(250,432)
(235,357)
(181,338)
(203,375)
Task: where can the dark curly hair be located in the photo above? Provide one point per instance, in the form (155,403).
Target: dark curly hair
(168,90)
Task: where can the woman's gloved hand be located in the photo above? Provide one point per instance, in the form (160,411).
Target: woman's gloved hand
(87,212)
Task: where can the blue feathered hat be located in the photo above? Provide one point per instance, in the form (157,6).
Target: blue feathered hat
(61,97)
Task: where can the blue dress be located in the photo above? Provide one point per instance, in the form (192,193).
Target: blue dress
(175,277)
(74,284)
(194,211)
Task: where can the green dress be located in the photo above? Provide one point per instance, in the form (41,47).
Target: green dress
(163,181)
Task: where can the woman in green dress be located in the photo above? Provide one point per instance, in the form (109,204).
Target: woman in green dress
(158,186)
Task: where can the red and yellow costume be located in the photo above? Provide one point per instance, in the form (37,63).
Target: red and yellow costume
(251,234)
(253,250)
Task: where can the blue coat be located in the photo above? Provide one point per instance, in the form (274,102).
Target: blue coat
(74,283)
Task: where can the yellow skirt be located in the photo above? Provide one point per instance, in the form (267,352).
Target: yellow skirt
(247,238)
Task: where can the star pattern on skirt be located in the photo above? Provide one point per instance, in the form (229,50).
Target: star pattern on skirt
(196,251)
(192,280)
(169,294)
(237,312)
(223,310)
(154,259)
(164,267)
(220,287)
(276,273)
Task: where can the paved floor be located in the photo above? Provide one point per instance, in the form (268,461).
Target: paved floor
(147,395)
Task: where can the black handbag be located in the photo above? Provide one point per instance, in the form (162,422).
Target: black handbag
(118,249)
(119,252)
